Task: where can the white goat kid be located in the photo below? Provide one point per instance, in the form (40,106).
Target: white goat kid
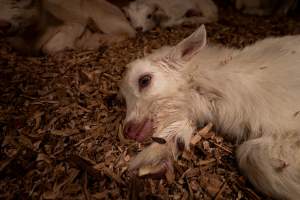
(146,14)
(251,95)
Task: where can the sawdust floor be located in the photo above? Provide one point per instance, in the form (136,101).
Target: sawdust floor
(61,123)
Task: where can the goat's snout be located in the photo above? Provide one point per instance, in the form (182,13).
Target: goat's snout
(5,26)
(138,131)
(139,29)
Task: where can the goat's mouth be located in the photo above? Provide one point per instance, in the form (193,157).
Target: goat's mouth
(139,131)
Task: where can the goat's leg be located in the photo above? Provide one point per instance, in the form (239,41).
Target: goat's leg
(61,38)
(92,41)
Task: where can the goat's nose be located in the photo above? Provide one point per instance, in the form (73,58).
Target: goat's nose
(5,25)
(139,29)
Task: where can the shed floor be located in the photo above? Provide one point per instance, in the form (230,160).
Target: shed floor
(61,122)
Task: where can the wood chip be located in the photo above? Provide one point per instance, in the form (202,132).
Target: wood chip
(159,140)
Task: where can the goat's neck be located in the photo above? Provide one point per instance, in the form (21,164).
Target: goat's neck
(224,94)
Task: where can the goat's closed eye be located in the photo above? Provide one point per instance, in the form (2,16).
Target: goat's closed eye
(144,81)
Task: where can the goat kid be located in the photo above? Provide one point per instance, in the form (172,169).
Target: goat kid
(146,14)
(250,95)
(55,25)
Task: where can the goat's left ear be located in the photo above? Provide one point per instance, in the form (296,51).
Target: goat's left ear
(191,45)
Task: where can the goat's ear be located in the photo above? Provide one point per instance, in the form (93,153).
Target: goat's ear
(191,45)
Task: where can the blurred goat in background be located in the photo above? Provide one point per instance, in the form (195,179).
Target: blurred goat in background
(55,25)
(147,14)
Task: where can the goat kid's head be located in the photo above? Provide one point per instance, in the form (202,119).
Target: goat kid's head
(143,16)
(154,87)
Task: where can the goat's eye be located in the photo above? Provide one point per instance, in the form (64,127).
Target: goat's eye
(144,81)
(149,16)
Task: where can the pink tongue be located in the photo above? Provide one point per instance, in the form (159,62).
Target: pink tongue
(145,131)
(139,131)
(132,129)
(133,134)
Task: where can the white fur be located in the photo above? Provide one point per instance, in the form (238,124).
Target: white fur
(107,17)
(146,14)
(64,24)
(251,95)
